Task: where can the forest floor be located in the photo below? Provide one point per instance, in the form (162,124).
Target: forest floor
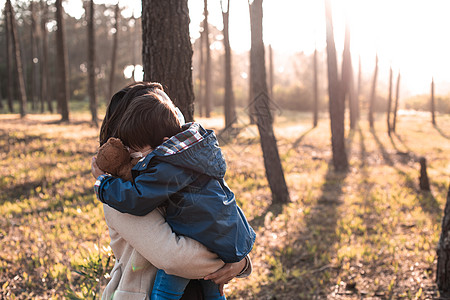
(369,233)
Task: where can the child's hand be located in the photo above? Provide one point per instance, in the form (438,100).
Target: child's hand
(95,169)
(227,272)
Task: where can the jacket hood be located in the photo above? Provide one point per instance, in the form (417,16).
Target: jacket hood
(194,148)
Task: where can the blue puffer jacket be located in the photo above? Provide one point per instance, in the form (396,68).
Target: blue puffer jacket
(186,172)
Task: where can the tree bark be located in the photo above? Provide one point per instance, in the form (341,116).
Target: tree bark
(271,72)
(229,103)
(167,50)
(336,99)
(397,95)
(347,78)
(358,90)
(272,162)
(91,63)
(62,65)
(44,60)
(443,253)
(207,96)
(316,91)
(388,115)
(114,52)
(424,183)
(8,49)
(373,93)
(201,77)
(18,59)
(433,114)
(34,61)
(251,106)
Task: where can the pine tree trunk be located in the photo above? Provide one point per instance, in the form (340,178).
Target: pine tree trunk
(8,59)
(207,96)
(388,116)
(229,104)
(347,78)
(272,162)
(91,63)
(33,57)
(201,71)
(167,50)
(358,90)
(44,60)
(433,114)
(251,106)
(18,59)
(62,65)
(316,92)
(397,95)
(373,93)
(424,183)
(271,72)
(114,53)
(336,99)
(443,253)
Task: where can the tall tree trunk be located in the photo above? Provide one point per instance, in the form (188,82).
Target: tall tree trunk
(208,82)
(44,60)
(358,93)
(34,60)
(62,65)
(272,163)
(18,59)
(9,69)
(251,104)
(167,50)
(316,91)
(336,99)
(114,52)
(443,253)
(373,93)
(229,104)
(271,72)
(91,63)
(397,95)
(433,114)
(388,115)
(347,78)
(132,43)
(201,76)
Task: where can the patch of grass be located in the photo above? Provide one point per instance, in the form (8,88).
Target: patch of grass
(367,233)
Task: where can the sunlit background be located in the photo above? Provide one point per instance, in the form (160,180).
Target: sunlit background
(409,35)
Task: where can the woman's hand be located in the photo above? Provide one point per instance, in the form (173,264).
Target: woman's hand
(226,273)
(95,169)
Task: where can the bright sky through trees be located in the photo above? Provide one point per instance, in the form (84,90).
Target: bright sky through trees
(410,35)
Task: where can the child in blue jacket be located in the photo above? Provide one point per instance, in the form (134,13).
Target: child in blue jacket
(182,168)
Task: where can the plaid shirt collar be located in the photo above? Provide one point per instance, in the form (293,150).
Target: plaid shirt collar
(192,134)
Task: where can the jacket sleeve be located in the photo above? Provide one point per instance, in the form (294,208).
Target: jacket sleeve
(153,238)
(147,192)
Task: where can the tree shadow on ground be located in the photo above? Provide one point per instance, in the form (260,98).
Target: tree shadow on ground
(300,138)
(445,135)
(386,157)
(22,191)
(303,268)
(274,209)
(426,200)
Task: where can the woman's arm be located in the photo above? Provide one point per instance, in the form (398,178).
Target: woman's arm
(153,238)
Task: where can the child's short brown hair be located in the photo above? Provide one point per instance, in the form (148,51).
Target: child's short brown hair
(147,120)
